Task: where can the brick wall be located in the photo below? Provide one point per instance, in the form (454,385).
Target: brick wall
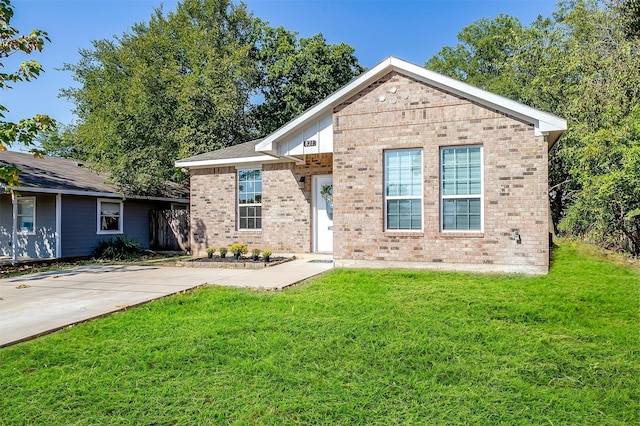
(399,112)
(286,209)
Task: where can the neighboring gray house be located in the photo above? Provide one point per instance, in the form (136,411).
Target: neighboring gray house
(63,209)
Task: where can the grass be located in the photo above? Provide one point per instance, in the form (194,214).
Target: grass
(351,347)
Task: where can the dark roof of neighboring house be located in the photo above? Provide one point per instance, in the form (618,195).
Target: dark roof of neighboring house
(243,150)
(60,174)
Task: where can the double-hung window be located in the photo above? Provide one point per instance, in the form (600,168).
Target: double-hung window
(403,190)
(250,199)
(461,188)
(109,216)
(26,215)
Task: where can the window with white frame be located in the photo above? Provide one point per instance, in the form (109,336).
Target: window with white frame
(250,199)
(26,215)
(403,190)
(178,206)
(461,188)
(109,216)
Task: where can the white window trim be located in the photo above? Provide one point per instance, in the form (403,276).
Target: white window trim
(449,197)
(179,206)
(403,197)
(247,169)
(120,223)
(17,224)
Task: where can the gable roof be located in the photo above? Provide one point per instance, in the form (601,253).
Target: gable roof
(544,123)
(265,149)
(244,152)
(59,175)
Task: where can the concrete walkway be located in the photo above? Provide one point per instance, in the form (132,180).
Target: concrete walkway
(36,304)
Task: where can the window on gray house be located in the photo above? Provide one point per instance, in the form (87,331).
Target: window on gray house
(109,216)
(27,215)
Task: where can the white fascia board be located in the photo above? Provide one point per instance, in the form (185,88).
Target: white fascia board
(95,194)
(226,161)
(248,166)
(66,192)
(543,121)
(168,200)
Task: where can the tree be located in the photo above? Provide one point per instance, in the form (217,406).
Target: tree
(606,209)
(190,82)
(61,143)
(176,86)
(583,64)
(482,56)
(603,95)
(26,130)
(630,16)
(298,73)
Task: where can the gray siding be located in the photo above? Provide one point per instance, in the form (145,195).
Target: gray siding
(80,223)
(79,227)
(5,225)
(136,219)
(42,244)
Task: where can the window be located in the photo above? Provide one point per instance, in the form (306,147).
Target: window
(250,199)
(109,217)
(403,189)
(27,215)
(461,190)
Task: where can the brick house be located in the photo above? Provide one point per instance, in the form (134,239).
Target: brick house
(402,167)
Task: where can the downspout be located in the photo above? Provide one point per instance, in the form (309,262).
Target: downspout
(58,253)
(14,231)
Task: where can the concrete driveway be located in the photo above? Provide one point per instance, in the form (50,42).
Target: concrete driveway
(35,304)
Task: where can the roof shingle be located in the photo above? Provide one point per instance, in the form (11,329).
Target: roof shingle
(53,173)
(243,150)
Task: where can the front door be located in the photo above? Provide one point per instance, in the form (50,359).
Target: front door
(323,213)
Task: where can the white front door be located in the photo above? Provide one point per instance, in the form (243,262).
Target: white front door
(323,213)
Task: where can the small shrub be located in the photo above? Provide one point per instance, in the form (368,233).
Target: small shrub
(210,250)
(223,251)
(120,248)
(266,253)
(255,252)
(238,248)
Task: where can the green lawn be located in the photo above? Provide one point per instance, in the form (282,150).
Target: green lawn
(351,347)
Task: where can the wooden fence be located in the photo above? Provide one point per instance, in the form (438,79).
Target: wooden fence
(169,230)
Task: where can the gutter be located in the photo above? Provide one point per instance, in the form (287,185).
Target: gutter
(195,164)
(93,194)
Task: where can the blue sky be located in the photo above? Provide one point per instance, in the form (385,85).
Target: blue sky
(413,30)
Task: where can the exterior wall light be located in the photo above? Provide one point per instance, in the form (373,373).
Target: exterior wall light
(516,236)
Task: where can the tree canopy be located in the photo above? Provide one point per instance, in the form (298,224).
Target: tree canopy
(25,131)
(298,73)
(206,76)
(583,64)
(175,86)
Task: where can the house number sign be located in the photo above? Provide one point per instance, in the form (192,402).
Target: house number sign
(309,142)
